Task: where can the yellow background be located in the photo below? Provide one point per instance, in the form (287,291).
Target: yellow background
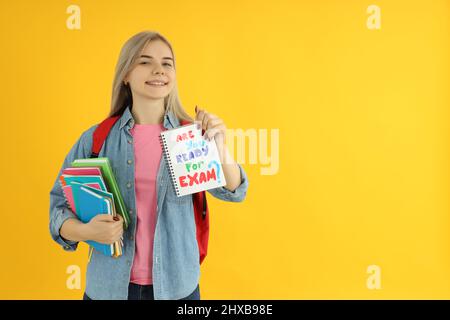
(363,121)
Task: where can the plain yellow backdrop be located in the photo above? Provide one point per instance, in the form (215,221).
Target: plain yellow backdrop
(363,119)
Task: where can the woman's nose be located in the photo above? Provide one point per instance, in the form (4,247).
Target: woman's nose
(159,70)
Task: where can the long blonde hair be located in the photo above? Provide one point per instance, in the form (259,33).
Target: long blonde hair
(121,93)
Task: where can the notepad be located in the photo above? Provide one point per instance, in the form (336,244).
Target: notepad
(117,250)
(89,204)
(193,161)
(68,194)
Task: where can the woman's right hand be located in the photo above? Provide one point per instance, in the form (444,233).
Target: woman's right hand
(104,228)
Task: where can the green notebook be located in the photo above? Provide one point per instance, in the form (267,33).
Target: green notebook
(110,180)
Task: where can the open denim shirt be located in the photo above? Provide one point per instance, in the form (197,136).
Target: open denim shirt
(176,267)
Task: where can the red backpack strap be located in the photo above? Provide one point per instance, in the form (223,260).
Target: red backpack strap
(100,134)
(201,215)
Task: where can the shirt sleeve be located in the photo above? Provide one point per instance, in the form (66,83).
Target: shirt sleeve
(238,195)
(59,210)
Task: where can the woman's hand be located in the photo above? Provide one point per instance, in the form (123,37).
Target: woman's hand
(104,228)
(213,126)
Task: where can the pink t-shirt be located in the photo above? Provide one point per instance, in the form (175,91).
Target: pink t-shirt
(147,156)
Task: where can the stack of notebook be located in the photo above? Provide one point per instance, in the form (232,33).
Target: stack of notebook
(90,188)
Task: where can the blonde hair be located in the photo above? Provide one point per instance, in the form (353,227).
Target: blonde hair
(121,93)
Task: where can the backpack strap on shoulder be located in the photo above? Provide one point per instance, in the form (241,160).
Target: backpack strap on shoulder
(100,134)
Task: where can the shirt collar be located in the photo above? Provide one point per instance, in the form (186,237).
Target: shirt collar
(170,121)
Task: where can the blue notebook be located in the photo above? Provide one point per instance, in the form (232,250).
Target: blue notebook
(90,204)
(86,179)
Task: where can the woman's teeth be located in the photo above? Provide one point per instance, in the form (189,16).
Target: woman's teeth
(156,83)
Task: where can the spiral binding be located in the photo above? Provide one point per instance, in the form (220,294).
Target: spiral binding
(162,140)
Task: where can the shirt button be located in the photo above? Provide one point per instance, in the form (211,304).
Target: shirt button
(129,185)
(156,259)
(131,237)
(130,211)
(129,161)
(129,141)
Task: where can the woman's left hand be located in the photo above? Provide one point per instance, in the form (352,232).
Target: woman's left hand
(213,126)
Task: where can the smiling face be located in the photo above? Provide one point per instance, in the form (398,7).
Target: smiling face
(153,75)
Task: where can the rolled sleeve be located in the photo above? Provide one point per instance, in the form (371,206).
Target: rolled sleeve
(61,215)
(238,195)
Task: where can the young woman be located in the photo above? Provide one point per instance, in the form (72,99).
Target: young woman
(160,255)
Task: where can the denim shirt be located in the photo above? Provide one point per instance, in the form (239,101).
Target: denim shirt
(176,267)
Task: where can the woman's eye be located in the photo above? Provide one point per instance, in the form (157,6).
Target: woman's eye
(145,62)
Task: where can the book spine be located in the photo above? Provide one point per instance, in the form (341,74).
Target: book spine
(64,194)
(165,149)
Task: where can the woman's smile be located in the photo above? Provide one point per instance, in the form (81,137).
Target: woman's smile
(156,83)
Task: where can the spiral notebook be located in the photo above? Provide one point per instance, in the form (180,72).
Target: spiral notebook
(193,161)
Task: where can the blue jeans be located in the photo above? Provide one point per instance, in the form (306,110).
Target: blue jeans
(145,292)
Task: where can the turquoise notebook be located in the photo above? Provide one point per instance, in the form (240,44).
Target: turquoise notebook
(86,179)
(89,204)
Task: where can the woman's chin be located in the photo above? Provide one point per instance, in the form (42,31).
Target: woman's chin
(156,95)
